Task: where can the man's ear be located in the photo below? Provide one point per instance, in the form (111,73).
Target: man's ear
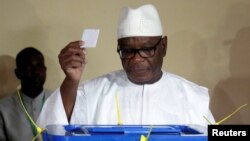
(18,74)
(165,45)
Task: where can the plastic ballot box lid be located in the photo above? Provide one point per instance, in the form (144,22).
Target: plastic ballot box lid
(125,132)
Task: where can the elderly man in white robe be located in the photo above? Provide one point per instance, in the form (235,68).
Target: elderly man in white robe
(142,93)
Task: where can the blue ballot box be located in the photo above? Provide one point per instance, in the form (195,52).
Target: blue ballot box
(125,133)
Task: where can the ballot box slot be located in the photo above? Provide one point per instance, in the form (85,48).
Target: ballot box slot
(124,132)
(128,130)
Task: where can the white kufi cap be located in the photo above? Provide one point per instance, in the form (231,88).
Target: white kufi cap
(143,21)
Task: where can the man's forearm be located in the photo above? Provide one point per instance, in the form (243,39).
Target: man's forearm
(69,92)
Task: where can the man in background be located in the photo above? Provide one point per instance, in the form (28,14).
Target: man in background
(15,123)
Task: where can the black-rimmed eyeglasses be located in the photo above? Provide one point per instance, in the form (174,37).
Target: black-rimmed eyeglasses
(145,52)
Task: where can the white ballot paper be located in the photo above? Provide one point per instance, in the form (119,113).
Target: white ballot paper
(90,37)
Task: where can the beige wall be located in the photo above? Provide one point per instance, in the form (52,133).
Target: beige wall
(209,42)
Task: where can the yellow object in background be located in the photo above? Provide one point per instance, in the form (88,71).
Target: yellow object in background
(227,117)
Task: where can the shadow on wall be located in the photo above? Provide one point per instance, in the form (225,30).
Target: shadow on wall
(8,80)
(232,92)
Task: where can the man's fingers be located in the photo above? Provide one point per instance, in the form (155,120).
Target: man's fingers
(72,54)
